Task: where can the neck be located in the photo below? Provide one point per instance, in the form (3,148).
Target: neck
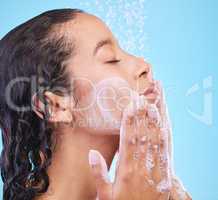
(69,174)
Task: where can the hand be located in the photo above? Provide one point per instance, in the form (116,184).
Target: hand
(178,191)
(143,165)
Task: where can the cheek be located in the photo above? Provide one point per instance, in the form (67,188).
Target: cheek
(112,96)
(100,106)
(83,94)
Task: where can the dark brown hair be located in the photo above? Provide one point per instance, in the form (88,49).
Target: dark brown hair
(30,50)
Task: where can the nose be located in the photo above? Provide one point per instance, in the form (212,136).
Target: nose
(144,70)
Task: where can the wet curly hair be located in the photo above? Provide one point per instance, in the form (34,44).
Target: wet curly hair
(30,50)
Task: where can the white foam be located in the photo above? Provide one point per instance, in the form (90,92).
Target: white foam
(149,162)
(163,186)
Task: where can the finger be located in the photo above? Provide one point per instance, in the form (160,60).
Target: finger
(153,115)
(142,131)
(158,151)
(128,130)
(166,121)
(100,173)
(147,136)
(163,163)
(128,138)
(162,106)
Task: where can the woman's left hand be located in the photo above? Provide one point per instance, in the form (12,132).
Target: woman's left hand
(178,191)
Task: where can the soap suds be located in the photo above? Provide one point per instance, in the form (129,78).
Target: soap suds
(163,186)
(149,163)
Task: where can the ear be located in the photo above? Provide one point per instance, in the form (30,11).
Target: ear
(59,107)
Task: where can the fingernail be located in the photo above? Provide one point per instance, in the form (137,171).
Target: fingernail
(93,157)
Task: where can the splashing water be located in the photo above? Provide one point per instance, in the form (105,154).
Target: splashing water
(126,19)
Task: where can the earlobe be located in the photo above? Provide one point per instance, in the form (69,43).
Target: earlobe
(60,109)
(61,116)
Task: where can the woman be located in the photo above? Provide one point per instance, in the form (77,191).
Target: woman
(65,87)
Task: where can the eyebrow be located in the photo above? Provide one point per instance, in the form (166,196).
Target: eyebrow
(102,43)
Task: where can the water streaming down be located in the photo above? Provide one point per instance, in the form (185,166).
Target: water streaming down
(127,21)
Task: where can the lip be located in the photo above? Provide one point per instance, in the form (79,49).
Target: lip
(149,90)
(152,94)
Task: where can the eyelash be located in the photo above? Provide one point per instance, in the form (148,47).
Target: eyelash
(113,61)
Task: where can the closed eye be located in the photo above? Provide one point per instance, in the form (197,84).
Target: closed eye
(113,61)
(143,74)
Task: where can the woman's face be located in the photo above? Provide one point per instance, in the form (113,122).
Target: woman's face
(104,75)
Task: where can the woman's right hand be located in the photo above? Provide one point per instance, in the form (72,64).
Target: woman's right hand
(143,166)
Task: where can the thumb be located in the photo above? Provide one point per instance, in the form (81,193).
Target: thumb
(100,173)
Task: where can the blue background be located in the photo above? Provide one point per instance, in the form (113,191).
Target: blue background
(180,39)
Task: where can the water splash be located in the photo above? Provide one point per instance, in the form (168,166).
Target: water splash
(126,19)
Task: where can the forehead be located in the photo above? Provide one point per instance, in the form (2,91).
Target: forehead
(88,30)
